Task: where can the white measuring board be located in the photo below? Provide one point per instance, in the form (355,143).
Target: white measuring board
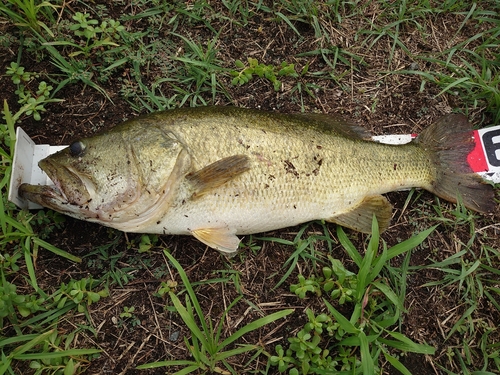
(484,159)
(25,167)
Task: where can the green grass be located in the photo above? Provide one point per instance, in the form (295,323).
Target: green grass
(158,56)
(206,346)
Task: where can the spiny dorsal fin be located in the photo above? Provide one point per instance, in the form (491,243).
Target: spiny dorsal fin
(360,218)
(339,125)
(218,173)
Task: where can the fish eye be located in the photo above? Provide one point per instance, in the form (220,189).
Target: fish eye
(76,148)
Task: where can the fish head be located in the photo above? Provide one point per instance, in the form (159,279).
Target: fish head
(116,178)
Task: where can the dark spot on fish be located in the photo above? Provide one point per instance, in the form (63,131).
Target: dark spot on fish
(77,149)
(151,163)
(183,201)
(290,168)
(240,141)
(158,222)
(395,166)
(186,216)
(128,161)
(271,177)
(294,206)
(266,186)
(319,147)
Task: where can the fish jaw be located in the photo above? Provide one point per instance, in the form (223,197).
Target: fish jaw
(69,194)
(51,197)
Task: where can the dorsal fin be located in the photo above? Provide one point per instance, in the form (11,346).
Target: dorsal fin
(337,124)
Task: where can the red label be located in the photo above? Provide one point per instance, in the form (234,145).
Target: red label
(476,158)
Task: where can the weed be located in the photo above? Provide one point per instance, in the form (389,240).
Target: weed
(79,291)
(33,102)
(28,14)
(50,357)
(198,74)
(305,248)
(166,287)
(127,317)
(262,71)
(147,241)
(336,281)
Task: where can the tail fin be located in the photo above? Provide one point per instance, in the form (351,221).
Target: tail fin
(450,140)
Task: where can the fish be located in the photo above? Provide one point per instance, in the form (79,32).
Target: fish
(220,172)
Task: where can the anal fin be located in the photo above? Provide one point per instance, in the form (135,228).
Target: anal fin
(222,239)
(360,218)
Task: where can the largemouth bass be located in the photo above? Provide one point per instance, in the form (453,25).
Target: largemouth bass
(219,172)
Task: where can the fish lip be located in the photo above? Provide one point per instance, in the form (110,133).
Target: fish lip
(44,195)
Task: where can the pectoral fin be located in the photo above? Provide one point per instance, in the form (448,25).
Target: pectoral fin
(222,239)
(360,218)
(218,173)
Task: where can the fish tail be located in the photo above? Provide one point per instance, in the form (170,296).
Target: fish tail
(449,142)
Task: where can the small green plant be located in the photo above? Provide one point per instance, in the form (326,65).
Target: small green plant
(270,72)
(166,287)
(336,281)
(12,303)
(93,36)
(79,291)
(33,102)
(127,317)
(18,74)
(206,346)
(147,241)
(127,312)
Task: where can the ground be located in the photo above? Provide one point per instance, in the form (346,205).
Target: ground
(367,93)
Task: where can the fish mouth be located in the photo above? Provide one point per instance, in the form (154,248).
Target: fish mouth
(44,195)
(69,191)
